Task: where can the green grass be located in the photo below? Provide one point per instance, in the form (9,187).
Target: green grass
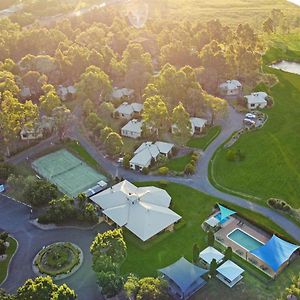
(272,166)
(178,164)
(204,141)
(10,252)
(234,12)
(145,258)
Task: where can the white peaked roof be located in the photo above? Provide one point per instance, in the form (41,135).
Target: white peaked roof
(133,126)
(144,211)
(231,84)
(119,93)
(163,147)
(210,253)
(129,108)
(198,122)
(230,270)
(257,98)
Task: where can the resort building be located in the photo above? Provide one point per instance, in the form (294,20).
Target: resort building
(210,253)
(148,153)
(256,100)
(230,273)
(133,129)
(128,110)
(184,278)
(231,88)
(121,93)
(197,126)
(142,210)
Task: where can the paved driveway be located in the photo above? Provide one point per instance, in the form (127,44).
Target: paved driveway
(14,218)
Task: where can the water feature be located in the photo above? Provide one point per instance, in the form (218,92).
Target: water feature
(287,66)
(244,239)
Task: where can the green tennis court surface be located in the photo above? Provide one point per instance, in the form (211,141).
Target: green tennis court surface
(67,172)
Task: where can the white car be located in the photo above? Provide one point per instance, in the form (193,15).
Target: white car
(249,122)
(250,116)
(120,160)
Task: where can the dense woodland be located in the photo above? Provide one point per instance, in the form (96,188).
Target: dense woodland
(165,62)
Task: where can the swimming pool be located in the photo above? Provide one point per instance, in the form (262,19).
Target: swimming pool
(218,217)
(244,240)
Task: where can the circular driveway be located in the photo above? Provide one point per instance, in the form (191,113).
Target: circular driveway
(14,218)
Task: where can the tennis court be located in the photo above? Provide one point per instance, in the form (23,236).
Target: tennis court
(71,175)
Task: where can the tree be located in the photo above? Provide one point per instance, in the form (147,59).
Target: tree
(152,289)
(292,290)
(104,263)
(8,83)
(106,109)
(105,132)
(6,169)
(189,169)
(114,144)
(94,84)
(14,115)
(213,267)
(111,243)
(43,288)
(181,124)
(268,25)
(62,117)
(228,253)
(216,106)
(110,282)
(39,192)
(88,107)
(4,236)
(210,238)
(49,100)
(196,251)
(2,247)
(92,120)
(131,286)
(155,115)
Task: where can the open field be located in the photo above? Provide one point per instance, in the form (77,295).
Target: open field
(231,12)
(145,258)
(10,252)
(271,167)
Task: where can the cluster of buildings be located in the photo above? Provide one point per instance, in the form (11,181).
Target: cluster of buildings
(233,89)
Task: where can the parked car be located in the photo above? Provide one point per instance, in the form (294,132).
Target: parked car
(250,116)
(249,122)
(2,188)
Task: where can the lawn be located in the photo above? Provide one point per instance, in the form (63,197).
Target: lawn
(231,12)
(178,164)
(271,167)
(204,141)
(145,258)
(10,252)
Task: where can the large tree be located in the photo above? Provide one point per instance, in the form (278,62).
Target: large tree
(181,124)
(14,115)
(43,288)
(155,115)
(49,100)
(94,84)
(114,144)
(216,106)
(62,117)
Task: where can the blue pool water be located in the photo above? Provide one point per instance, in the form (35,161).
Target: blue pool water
(218,217)
(245,240)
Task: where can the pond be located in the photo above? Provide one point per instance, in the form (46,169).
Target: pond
(287,66)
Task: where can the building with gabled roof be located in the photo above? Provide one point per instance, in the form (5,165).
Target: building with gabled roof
(132,129)
(142,210)
(127,110)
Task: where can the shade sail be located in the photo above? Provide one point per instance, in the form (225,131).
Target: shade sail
(225,212)
(230,270)
(211,253)
(183,273)
(275,252)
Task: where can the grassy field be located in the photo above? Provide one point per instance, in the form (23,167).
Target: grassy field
(10,252)
(272,166)
(178,164)
(231,12)
(204,141)
(145,258)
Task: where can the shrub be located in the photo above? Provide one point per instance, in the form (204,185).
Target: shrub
(228,253)
(213,267)
(196,252)
(126,160)
(189,169)
(163,170)
(6,169)
(210,238)
(145,171)
(193,162)
(231,155)
(163,183)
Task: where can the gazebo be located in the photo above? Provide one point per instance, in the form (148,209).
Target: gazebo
(276,253)
(230,273)
(210,253)
(184,278)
